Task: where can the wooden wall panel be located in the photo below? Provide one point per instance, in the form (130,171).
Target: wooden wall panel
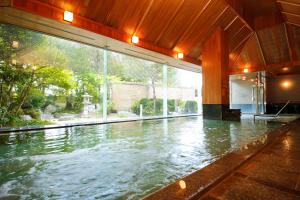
(215,69)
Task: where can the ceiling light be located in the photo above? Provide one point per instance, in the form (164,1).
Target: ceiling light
(180,55)
(135,39)
(286,84)
(68,16)
(285,69)
(246,70)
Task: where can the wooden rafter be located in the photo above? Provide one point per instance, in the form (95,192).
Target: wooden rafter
(260,48)
(143,17)
(244,40)
(290,3)
(213,24)
(231,23)
(288,42)
(191,24)
(169,22)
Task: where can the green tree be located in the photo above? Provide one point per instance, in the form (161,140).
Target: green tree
(33,65)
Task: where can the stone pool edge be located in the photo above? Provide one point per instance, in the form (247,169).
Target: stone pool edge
(201,181)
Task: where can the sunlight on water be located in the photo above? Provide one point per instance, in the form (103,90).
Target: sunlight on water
(123,160)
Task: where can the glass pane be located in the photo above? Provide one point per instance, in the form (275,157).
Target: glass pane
(135,87)
(47,80)
(184,92)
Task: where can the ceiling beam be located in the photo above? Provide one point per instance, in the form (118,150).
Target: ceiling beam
(38,8)
(293,14)
(143,17)
(288,42)
(191,24)
(210,31)
(268,67)
(260,48)
(238,9)
(290,3)
(169,22)
(230,23)
(242,42)
(298,25)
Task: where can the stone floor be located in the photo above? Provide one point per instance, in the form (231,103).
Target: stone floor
(273,174)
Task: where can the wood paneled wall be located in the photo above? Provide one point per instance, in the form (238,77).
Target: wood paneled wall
(215,69)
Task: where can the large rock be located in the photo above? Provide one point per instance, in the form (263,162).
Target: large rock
(50,109)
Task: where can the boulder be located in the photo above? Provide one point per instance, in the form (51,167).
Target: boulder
(50,109)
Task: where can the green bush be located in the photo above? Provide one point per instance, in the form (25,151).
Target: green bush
(171,105)
(148,106)
(3,118)
(190,107)
(33,113)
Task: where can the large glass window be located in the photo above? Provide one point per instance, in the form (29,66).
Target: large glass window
(135,87)
(184,92)
(49,80)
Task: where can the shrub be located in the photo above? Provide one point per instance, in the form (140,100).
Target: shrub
(148,106)
(33,113)
(191,107)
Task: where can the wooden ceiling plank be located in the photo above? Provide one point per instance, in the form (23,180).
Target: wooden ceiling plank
(191,24)
(231,23)
(293,14)
(169,22)
(288,42)
(143,17)
(245,39)
(298,25)
(286,2)
(213,25)
(260,48)
(240,17)
(236,33)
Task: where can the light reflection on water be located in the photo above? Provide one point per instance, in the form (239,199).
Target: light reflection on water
(116,161)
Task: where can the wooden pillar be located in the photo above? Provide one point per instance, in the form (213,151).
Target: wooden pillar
(215,62)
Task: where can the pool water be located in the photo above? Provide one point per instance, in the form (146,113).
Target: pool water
(116,161)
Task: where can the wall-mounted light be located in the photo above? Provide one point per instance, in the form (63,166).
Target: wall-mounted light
(246,70)
(180,55)
(68,16)
(15,44)
(135,39)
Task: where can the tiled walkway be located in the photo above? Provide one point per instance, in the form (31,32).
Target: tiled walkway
(273,174)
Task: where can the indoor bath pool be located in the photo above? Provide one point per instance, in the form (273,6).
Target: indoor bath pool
(116,161)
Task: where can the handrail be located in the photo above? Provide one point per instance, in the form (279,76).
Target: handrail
(287,103)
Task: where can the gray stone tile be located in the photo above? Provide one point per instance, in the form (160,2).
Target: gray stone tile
(236,188)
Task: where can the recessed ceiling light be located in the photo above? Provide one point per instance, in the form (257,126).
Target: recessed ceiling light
(135,39)
(180,55)
(246,70)
(68,16)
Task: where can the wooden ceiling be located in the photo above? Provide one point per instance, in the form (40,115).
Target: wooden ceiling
(261,33)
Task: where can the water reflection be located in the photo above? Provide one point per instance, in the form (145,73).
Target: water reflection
(121,160)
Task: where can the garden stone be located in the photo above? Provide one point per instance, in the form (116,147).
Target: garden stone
(26,117)
(50,109)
